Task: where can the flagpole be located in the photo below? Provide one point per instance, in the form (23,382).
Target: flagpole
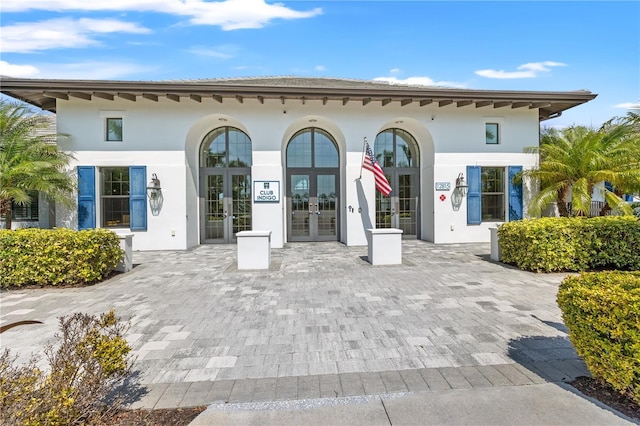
(364,148)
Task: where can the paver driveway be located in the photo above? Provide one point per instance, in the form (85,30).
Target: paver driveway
(321,322)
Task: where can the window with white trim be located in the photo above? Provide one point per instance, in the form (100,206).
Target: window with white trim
(113,129)
(114,197)
(492,133)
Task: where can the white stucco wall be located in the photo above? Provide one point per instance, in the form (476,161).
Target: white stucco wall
(165,136)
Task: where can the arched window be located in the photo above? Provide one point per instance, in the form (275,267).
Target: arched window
(312,148)
(226,147)
(397,151)
(396,148)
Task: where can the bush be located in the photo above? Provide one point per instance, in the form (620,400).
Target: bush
(602,312)
(90,362)
(571,244)
(57,256)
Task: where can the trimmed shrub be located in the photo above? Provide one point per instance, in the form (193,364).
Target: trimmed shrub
(88,364)
(57,256)
(571,244)
(602,312)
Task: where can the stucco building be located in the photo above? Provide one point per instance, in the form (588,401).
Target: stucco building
(285,155)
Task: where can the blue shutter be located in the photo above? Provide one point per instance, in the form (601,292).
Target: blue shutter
(474,195)
(86,197)
(608,186)
(515,195)
(138,198)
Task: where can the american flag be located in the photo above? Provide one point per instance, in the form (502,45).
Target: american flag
(372,164)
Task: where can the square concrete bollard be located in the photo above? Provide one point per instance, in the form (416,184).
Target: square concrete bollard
(385,246)
(126,244)
(254,249)
(496,253)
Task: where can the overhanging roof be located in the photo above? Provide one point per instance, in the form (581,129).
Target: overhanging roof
(44,93)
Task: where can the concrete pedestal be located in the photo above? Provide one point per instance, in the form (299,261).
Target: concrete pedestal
(126,244)
(385,246)
(254,249)
(496,253)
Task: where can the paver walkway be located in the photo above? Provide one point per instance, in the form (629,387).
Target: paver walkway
(322,322)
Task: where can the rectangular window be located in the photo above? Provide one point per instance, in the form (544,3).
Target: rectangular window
(114,197)
(493,194)
(492,133)
(26,211)
(113,128)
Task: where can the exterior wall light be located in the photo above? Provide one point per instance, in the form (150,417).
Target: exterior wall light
(461,186)
(154,193)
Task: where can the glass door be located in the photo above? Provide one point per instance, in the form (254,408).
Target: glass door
(312,207)
(227,206)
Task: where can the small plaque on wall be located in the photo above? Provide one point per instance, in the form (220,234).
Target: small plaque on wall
(443,186)
(266,191)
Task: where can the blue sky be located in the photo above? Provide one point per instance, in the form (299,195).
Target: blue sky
(543,45)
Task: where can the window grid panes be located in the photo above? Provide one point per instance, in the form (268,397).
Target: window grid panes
(114,129)
(492,133)
(312,148)
(493,194)
(115,197)
(226,147)
(241,200)
(25,211)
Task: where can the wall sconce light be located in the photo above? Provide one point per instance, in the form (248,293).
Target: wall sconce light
(461,186)
(154,193)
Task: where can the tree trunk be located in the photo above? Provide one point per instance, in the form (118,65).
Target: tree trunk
(562,203)
(5,209)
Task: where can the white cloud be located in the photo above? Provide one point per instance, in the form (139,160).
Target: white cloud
(419,81)
(229,14)
(61,33)
(320,68)
(394,71)
(13,70)
(530,70)
(101,70)
(628,105)
(218,52)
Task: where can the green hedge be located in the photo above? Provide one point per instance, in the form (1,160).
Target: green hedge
(602,312)
(57,256)
(572,244)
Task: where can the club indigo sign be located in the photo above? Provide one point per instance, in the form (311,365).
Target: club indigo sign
(266,191)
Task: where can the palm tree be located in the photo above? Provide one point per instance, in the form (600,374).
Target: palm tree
(576,159)
(30,160)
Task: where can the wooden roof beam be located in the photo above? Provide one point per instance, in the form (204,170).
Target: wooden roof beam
(81,95)
(261,99)
(173,97)
(501,104)
(196,98)
(325,100)
(217,98)
(426,102)
(127,96)
(150,97)
(480,104)
(282,99)
(345,101)
(239,99)
(304,100)
(463,103)
(365,101)
(386,101)
(405,102)
(520,104)
(49,104)
(445,102)
(102,95)
(539,105)
(56,95)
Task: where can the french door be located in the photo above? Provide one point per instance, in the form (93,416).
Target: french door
(400,209)
(312,205)
(226,195)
